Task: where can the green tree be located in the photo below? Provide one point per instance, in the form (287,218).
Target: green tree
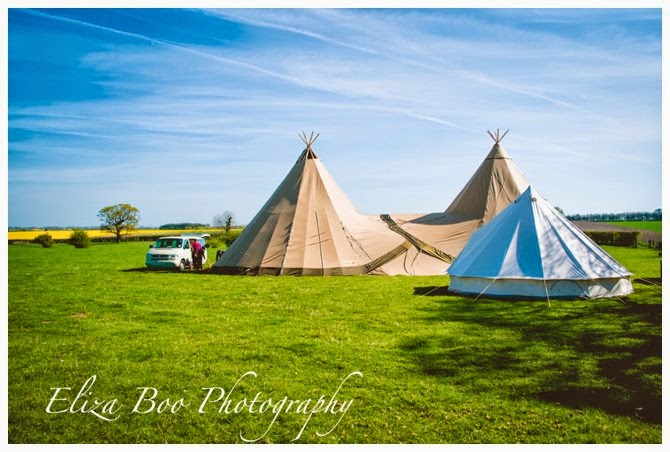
(119,219)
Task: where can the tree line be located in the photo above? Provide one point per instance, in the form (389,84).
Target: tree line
(122,219)
(656,215)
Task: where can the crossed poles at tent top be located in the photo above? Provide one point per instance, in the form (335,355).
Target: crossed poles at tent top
(313,136)
(308,141)
(497,138)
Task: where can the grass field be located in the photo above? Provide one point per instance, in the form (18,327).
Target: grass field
(435,368)
(62,234)
(655,226)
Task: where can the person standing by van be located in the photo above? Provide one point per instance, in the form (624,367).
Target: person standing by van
(196,253)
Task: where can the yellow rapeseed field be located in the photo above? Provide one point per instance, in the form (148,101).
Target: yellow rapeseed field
(65,233)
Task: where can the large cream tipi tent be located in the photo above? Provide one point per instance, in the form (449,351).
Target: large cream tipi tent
(309,226)
(531,250)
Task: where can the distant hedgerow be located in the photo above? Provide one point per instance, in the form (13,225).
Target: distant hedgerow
(45,240)
(80,239)
(232,234)
(219,239)
(615,238)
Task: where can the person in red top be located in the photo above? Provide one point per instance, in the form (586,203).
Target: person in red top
(196,254)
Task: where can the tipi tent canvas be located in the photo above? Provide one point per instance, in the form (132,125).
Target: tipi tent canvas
(531,250)
(494,185)
(309,226)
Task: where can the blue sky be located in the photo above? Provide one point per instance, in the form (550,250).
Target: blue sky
(189,113)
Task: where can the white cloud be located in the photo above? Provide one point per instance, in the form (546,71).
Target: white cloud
(393,91)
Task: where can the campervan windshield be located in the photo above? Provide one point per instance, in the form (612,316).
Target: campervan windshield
(168,243)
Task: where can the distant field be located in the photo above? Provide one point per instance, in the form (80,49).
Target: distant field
(436,368)
(65,234)
(649,230)
(648,225)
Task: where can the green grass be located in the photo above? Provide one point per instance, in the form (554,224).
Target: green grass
(655,226)
(436,368)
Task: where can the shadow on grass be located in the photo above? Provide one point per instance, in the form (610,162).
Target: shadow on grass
(164,270)
(432,291)
(580,354)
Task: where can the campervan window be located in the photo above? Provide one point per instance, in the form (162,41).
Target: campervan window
(168,243)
